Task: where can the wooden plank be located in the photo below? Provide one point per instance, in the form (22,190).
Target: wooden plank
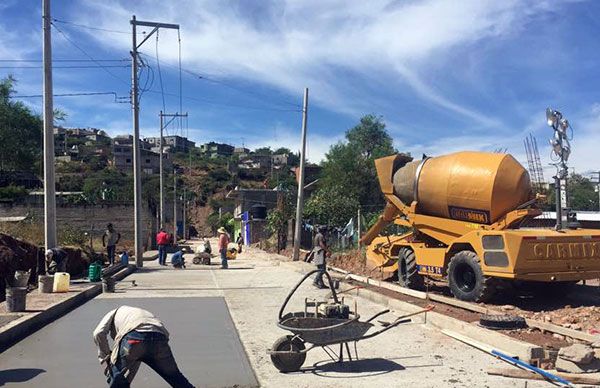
(469,341)
(562,330)
(471,307)
(523,374)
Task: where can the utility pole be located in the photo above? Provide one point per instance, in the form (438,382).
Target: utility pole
(163,125)
(300,203)
(49,184)
(160,171)
(137,167)
(358,228)
(183,204)
(174,206)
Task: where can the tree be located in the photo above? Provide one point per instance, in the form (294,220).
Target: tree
(330,206)
(349,165)
(20,132)
(263,151)
(581,193)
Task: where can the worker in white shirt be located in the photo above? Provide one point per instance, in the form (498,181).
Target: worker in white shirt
(138,336)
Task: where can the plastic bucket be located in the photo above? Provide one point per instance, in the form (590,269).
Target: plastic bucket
(61,282)
(108,284)
(15,299)
(21,278)
(94,272)
(45,284)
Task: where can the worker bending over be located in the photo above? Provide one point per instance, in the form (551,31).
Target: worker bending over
(56,260)
(138,336)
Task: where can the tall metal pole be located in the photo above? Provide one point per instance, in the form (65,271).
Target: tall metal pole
(49,194)
(160,169)
(358,225)
(137,168)
(183,208)
(174,207)
(300,203)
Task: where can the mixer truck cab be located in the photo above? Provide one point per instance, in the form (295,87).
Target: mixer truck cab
(464,213)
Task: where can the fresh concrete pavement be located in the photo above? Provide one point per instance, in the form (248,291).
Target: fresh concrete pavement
(204,336)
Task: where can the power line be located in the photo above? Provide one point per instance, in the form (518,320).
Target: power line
(65,60)
(90,27)
(88,55)
(226,84)
(162,89)
(67,67)
(119,99)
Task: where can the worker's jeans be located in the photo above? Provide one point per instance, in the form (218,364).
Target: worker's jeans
(152,349)
(319,277)
(110,252)
(162,254)
(224,258)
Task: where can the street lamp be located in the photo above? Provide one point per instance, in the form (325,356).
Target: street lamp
(562,149)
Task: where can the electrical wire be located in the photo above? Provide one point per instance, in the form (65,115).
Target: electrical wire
(162,89)
(90,27)
(119,99)
(88,55)
(226,84)
(180,83)
(65,60)
(66,67)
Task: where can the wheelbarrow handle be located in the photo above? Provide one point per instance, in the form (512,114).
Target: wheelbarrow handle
(398,321)
(378,315)
(287,299)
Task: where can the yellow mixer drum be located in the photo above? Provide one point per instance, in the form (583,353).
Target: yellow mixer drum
(478,187)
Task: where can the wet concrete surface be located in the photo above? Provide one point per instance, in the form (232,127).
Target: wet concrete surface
(204,341)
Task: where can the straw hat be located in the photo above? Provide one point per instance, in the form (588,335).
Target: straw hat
(221,230)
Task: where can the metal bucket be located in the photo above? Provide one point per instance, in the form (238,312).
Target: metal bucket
(15,299)
(45,284)
(108,284)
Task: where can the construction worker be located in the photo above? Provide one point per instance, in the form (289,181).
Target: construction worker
(240,242)
(138,336)
(110,239)
(177,259)
(222,245)
(162,241)
(320,252)
(56,260)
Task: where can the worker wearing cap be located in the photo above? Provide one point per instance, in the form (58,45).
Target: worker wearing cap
(138,336)
(110,239)
(320,253)
(56,260)
(223,243)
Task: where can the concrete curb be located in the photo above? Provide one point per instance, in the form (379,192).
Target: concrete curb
(20,328)
(524,351)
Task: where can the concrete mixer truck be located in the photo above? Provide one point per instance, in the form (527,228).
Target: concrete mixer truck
(464,214)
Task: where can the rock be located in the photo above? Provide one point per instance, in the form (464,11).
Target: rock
(596,345)
(507,307)
(576,326)
(579,353)
(558,336)
(563,365)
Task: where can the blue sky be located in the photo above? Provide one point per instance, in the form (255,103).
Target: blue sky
(444,75)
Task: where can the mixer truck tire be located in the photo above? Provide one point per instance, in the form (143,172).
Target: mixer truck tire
(408,271)
(466,279)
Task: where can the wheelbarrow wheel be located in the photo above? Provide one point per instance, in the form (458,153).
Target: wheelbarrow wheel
(291,362)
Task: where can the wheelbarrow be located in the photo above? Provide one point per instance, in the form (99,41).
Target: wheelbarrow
(329,325)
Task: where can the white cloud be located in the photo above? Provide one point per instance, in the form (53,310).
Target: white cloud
(292,44)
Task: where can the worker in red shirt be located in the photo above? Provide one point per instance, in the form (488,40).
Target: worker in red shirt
(162,240)
(223,242)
